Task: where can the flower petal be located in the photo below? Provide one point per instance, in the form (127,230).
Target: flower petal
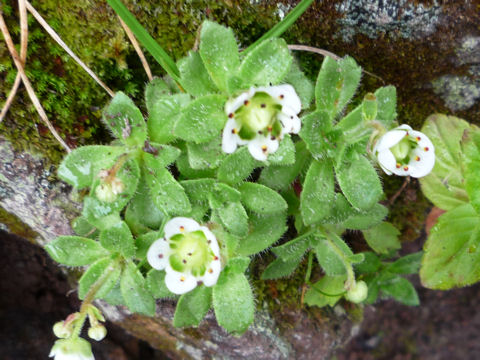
(232,105)
(425,164)
(284,95)
(230,137)
(178,225)
(179,283)
(389,139)
(387,161)
(213,240)
(211,275)
(290,122)
(158,253)
(261,146)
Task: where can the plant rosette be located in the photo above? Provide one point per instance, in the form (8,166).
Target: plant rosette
(259,118)
(405,152)
(189,254)
(72,349)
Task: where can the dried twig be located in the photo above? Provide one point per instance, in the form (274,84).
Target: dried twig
(137,48)
(23,56)
(26,82)
(57,38)
(397,194)
(326,53)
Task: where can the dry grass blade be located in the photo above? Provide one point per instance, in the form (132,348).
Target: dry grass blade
(60,42)
(23,56)
(137,48)
(26,82)
(326,53)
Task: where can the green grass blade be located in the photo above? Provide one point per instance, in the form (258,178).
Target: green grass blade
(283,25)
(165,61)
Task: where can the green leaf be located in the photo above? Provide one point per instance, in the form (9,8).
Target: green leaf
(167,193)
(187,172)
(264,231)
(101,215)
(383,238)
(206,155)
(370,264)
(280,268)
(114,297)
(239,264)
(444,186)
(336,84)
(301,83)
(223,194)
(137,298)
(143,242)
(106,269)
(83,228)
(219,52)
(408,264)
(125,120)
(327,291)
(293,249)
(318,192)
(163,115)
(285,155)
(155,90)
(387,105)
(202,119)
(159,155)
(82,165)
(142,212)
(198,190)
(262,199)
(280,177)
(471,147)
(267,63)
(362,220)
(236,167)
(118,238)
(315,128)
(359,183)
(75,250)
(194,76)
(451,254)
(145,39)
(192,307)
(401,290)
(234,218)
(155,283)
(328,258)
(233,301)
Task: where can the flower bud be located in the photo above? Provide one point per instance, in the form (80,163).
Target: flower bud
(358,292)
(62,330)
(97,332)
(71,349)
(369,107)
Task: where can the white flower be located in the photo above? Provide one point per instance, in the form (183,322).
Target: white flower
(71,349)
(189,253)
(405,152)
(260,117)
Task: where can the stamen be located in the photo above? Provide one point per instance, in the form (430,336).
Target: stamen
(398,165)
(182,278)
(281,96)
(230,115)
(264,148)
(182,228)
(273,138)
(269,129)
(425,148)
(199,282)
(406,133)
(417,158)
(209,241)
(263,106)
(210,270)
(260,132)
(234,131)
(215,258)
(184,261)
(418,138)
(189,254)
(405,168)
(160,256)
(246,102)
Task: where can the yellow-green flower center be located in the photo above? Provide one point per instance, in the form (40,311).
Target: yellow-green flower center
(402,150)
(190,252)
(258,116)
